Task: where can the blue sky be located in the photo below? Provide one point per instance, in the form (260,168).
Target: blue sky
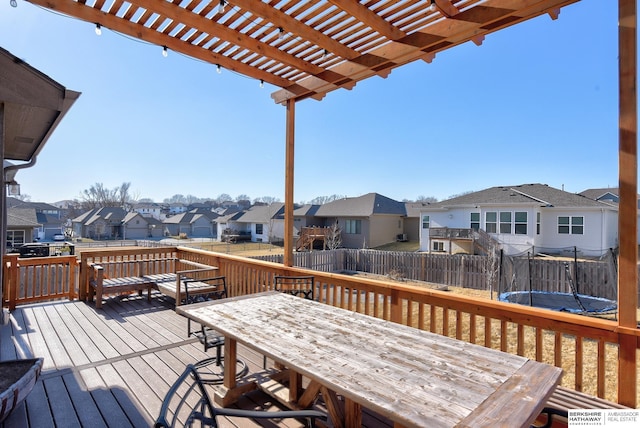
(535,103)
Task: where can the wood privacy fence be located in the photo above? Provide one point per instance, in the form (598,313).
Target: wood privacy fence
(596,278)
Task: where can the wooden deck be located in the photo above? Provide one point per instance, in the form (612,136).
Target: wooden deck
(111,367)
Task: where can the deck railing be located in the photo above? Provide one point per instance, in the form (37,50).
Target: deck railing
(37,279)
(586,348)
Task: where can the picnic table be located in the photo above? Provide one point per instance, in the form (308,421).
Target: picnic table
(413,377)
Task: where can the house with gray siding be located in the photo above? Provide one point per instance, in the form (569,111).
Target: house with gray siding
(100,223)
(22,226)
(366,221)
(193,224)
(50,217)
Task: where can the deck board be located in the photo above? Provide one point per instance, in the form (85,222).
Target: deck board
(112,367)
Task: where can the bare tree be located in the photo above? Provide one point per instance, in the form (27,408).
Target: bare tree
(177,198)
(491,268)
(98,196)
(190,199)
(429,199)
(242,197)
(266,200)
(223,197)
(24,197)
(319,200)
(333,239)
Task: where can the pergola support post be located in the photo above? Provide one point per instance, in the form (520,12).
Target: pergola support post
(288,178)
(3,208)
(628,207)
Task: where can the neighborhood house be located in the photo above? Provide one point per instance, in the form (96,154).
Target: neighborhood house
(527,217)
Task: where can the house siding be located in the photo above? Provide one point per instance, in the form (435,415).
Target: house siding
(202,228)
(353,240)
(384,229)
(600,228)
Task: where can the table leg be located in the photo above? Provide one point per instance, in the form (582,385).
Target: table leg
(229,392)
(295,386)
(230,362)
(333,407)
(352,413)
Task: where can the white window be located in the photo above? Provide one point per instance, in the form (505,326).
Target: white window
(520,222)
(425,222)
(475,221)
(438,246)
(505,222)
(571,225)
(491,222)
(15,237)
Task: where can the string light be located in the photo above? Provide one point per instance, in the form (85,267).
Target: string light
(280,33)
(13,3)
(218,69)
(221,6)
(261,83)
(433,7)
(165,52)
(98,29)
(324,54)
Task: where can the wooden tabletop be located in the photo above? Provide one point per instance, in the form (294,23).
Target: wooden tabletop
(415,378)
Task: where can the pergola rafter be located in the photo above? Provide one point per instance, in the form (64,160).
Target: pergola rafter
(325,44)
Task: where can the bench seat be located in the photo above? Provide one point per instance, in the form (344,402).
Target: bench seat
(130,275)
(183,288)
(100,286)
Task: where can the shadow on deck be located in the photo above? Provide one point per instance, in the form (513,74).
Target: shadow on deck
(112,367)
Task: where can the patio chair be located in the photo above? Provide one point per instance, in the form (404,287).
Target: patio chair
(301,286)
(548,414)
(188,403)
(209,338)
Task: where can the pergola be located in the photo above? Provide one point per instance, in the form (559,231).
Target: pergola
(308,48)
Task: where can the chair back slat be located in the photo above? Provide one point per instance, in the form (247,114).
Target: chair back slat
(301,286)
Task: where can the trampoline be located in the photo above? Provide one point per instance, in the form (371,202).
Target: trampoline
(565,302)
(549,284)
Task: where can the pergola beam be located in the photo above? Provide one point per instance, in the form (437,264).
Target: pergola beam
(371,19)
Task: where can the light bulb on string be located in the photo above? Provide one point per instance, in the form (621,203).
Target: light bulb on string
(13,3)
(261,84)
(433,7)
(165,52)
(221,6)
(98,29)
(218,69)
(280,33)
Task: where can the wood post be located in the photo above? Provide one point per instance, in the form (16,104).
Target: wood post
(628,208)
(288,189)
